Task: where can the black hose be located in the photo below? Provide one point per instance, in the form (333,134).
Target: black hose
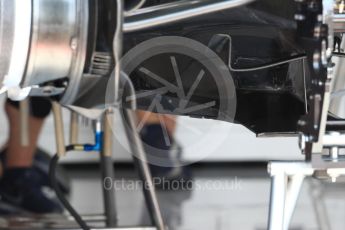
(52,175)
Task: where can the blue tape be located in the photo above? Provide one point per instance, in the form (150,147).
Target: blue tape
(98,143)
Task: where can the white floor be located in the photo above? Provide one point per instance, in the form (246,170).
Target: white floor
(223,198)
(244,206)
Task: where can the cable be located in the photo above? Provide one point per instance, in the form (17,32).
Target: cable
(52,175)
(117,47)
(117,52)
(132,89)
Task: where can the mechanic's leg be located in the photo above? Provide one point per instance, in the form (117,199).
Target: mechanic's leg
(18,156)
(166,121)
(21,185)
(163,152)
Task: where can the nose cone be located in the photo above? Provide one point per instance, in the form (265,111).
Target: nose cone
(7,20)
